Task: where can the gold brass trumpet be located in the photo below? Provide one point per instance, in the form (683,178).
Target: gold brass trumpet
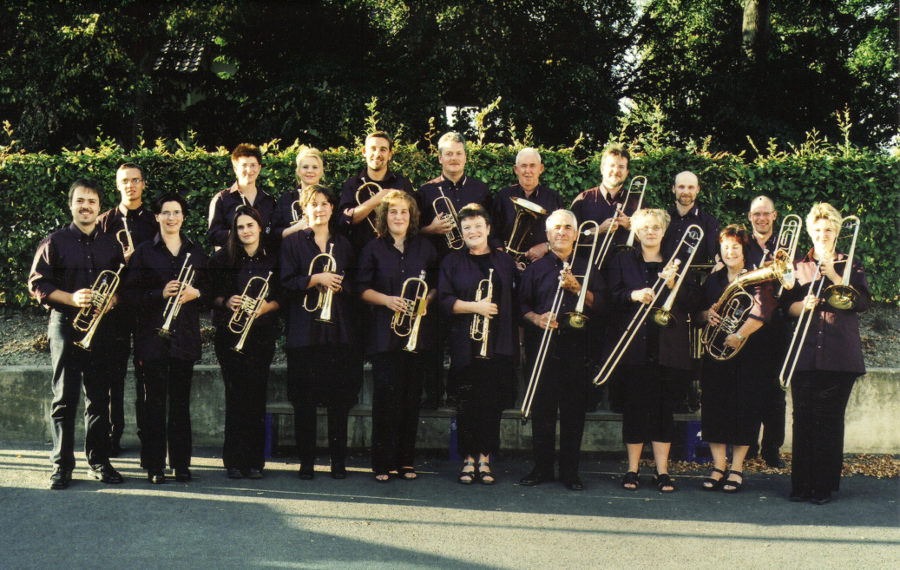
(406,323)
(366,191)
(843,295)
(589,229)
(173,305)
(123,236)
(102,292)
(527,214)
(325,296)
(481,325)
(245,315)
(445,210)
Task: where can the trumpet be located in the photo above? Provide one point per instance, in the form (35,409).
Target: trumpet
(663,316)
(102,292)
(325,297)
(843,295)
(481,325)
(123,236)
(577,319)
(691,239)
(373,189)
(527,214)
(173,306)
(800,331)
(245,315)
(445,210)
(405,323)
(543,348)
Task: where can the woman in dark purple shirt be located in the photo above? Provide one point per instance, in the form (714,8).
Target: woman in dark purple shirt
(830,361)
(385,264)
(319,354)
(310,169)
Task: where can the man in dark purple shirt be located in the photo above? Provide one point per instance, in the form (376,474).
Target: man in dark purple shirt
(533,244)
(66,265)
(359,218)
(141,227)
(246,160)
(685,213)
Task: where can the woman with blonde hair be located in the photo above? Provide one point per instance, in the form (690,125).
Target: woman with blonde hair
(310,172)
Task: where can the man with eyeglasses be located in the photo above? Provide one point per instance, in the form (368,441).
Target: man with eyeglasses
(132,224)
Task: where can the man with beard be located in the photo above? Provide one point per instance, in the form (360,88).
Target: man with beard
(685,213)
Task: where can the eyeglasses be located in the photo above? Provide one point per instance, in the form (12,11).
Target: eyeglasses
(132,181)
(761,214)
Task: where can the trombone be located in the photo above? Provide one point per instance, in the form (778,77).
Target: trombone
(788,238)
(663,316)
(641,183)
(173,305)
(445,210)
(637,186)
(481,325)
(843,295)
(527,214)
(691,239)
(373,189)
(406,322)
(543,348)
(800,330)
(577,319)
(325,298)
(245,315)
(102,292)
(123,236)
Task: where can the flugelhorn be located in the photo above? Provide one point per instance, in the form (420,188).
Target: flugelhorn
(406,322)
(590,230)
(173,305)
(691,239)
(372,189)
(325,296)
(245,315)
(123,236)
(663,316)
(800,330)
(527,214)
(445,210)
(843,295)
(480,328)
(102,292)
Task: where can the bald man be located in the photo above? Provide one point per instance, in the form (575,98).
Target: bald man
(685,213)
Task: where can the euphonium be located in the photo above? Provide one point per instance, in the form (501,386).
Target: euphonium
(842,295)
(245,315)
(406,322)
(527,214)
(325,296)
(591,230)
(173,306)
(735,304)
(444,209)
(481,325)
(372,188)
(123,236)
(102,292)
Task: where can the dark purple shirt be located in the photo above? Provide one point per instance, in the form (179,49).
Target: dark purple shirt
(282,216)
(142,224)
(832,342)
(461,273)
(360,234)
(69,260)
(230,279)
(757,255)
(297,252)
(384,269)
(226,202)
(709,245)
(505,213)
(596,204)
(150,268)
(466,191)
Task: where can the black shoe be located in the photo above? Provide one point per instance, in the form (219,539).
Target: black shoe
(534,478)
(253,473)
(183,475)
(820,497)
(115,447)
(307,472)
(798,497)
(773,460)
(574,484)
(234,473)
(105,473)
(60,478)
(156,476)
(338,471)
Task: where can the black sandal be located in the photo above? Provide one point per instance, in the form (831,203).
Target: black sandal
(712,484)
(732,486)
(631,478)
(484,473)
(465,476)
(662,480)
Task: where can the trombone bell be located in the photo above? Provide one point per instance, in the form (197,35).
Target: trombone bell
(842,297)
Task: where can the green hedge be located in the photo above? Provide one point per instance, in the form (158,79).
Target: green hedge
(33,188)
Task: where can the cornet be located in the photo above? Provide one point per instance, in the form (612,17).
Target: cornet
(406,323)
(445,210)
(366,191)
(123,236)
(173,306)
(481,325)
(325,296)
(245,315)
(102,292)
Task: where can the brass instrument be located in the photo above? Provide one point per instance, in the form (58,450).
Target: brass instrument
(640,182)
(696,347)
(527,214)
(543,348)
(173,305)
(245,315)
(606,244)
(842,295)
(637,186)
(296,210)
(735,303)
(102,292)
(663,316)
(787,241)
(445,210)
(123,236)
(372,188)
(800,330)
(406,322)
(325,297)
(481,325)
(577,319)
(691,239)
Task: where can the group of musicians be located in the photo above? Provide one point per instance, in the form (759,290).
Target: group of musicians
(490,279)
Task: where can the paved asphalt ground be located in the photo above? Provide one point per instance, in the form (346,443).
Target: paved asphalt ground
(282,522)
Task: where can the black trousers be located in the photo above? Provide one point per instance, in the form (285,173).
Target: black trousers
(167,413)
(480,391)
(397,378)
(649,396)
(116,368)
(245,377)
(820,400)
(772,409)
(74,369)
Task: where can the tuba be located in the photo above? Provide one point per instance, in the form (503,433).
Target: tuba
(527,214)
(366,191)
(406,322)
(244,316)
(444,209)
(123,236)
(735,303)
(173,306)
(481,325)
(102,292)
(325,298)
